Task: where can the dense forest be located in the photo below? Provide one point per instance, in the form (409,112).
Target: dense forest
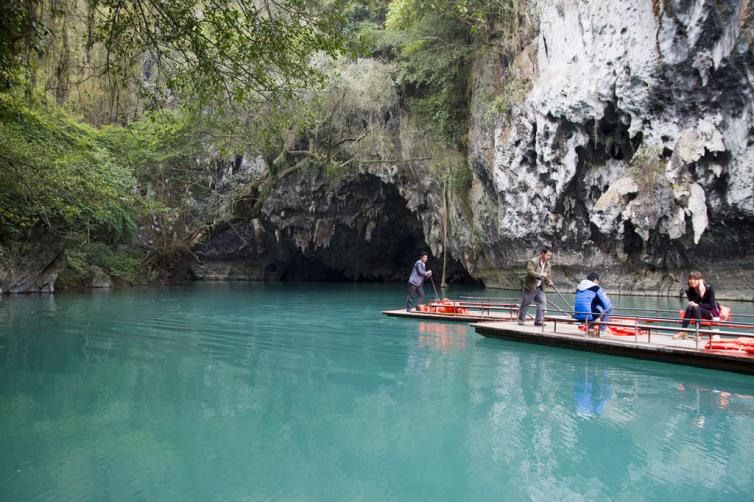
(125,124)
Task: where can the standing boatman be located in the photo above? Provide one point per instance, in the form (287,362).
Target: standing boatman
(416,281)
(537,276)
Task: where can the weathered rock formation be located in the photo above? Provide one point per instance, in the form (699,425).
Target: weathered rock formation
(633,151)
(632,154)
(32,270)
(365,226)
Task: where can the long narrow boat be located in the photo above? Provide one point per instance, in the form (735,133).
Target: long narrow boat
(654,345)
(730,349)
(469,316)
(479,309)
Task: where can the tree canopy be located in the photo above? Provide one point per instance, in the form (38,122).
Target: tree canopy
(240,49)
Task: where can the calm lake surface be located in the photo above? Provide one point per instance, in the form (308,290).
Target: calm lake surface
(284,391)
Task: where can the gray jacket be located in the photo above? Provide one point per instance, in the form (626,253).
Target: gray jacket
(418,273)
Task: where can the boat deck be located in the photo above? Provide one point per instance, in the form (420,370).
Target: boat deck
(563,332)
(655,346)
(471,316)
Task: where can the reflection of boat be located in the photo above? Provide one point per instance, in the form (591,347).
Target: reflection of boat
(720,398)
(442,336)
(436,337)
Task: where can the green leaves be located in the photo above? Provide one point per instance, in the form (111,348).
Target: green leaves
(433,67)
(233,48)
(57,173)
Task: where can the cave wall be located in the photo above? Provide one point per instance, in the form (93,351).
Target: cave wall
(633,152)
(357,228)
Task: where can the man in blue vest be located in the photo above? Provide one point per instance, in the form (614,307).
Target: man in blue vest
(592,302)
(416,281)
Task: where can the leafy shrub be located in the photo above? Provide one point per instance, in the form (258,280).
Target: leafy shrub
(57,173)
(123,265)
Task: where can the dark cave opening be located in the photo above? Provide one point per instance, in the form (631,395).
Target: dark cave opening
(376,238)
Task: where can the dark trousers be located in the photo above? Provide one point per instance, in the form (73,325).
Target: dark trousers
(539,298)
(697,313)
(414,290)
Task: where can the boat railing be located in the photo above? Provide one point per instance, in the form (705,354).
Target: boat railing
(493,301)
(641,325)
(487,308)
(645,326)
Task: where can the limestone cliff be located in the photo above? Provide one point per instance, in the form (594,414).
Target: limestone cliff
(631,152)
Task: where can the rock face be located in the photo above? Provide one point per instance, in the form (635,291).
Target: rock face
(99,278)
(633,151)
(632,154)
(359,228)
(33,270)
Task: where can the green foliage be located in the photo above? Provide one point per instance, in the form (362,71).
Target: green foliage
(231,47)
(161,149)
(57,173)
(438,38)
(506,21)
(365,29)
(238,49)
(21,34)
(434,62)
(515,89)
(123,265)
(343,123)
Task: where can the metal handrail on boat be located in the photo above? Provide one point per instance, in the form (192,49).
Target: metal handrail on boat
(642,309)
(722,324)
(649,327)
(511,307)
(616,309)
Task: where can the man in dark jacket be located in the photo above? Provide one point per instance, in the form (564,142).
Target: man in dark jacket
(537,276)
(592,302)
(416,281)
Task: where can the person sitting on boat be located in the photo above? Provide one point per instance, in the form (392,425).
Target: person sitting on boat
(592,302)
(416,281)
(702,303)
(538,271)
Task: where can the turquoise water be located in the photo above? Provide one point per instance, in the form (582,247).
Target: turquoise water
(244,391)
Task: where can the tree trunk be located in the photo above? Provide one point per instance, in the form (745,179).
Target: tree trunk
(443,283)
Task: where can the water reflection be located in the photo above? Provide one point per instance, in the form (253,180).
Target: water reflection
(700,398)
(443,337)
(592,392)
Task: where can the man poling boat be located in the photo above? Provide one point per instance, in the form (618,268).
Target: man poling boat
(419,272)
(538,275)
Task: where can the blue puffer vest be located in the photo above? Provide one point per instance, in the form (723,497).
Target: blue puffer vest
(591,300)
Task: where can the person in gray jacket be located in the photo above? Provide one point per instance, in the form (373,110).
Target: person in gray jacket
(416,281)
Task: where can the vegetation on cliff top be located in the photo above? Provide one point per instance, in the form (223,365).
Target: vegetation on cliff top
(180,114)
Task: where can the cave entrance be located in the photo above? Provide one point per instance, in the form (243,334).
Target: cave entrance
(376,238)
